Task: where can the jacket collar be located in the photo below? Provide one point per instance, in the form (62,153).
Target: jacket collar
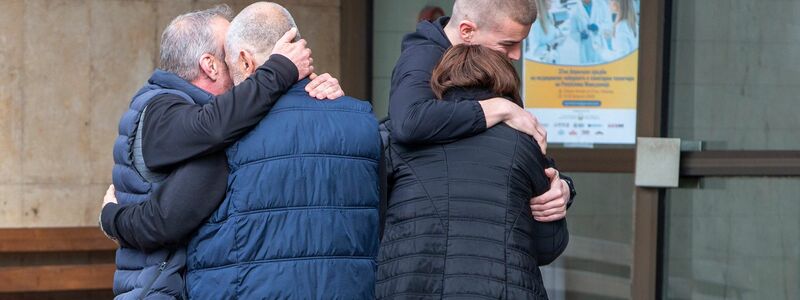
(429,32)
(437,34)
(169,80)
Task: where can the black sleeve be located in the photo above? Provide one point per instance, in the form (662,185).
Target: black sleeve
(551,163)
(417,116)
(177,207)
(175,130)
(550,240)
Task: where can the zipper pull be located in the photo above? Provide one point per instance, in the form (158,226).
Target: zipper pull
(163,266)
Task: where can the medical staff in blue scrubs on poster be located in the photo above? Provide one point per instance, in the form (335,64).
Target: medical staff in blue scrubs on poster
(590,19)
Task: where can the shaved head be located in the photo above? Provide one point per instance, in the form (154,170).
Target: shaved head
(253,33)
(258,27)
(499,25)
(490,12)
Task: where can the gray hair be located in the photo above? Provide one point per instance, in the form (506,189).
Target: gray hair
(520,11)
(187,38)
(257,28)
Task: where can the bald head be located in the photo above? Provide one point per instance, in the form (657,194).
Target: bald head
(519,11)
(257,28)
(252,35)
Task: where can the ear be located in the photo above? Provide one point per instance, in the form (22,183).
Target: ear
(467,30)
(247,61)
(209,66)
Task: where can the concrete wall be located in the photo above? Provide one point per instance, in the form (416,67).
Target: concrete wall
(67,71)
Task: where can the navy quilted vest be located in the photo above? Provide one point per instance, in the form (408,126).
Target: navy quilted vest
(300,218)
(139,275)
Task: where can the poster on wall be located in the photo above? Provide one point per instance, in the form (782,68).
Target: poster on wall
(580,70)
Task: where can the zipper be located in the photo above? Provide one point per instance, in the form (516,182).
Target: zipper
(161,268)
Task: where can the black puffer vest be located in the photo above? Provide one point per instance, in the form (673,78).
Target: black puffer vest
(458,222)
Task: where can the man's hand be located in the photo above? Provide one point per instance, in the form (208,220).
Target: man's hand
(324,87)
(524,121)
(552,205)
(297,52)
(497,110)
(109,197)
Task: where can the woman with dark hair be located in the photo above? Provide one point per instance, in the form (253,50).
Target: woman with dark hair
(458,221)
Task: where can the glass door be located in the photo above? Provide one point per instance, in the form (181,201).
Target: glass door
(732,231)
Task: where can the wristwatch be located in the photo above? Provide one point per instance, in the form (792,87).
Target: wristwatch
(572,191)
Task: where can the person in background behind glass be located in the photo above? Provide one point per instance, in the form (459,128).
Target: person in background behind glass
(430,14)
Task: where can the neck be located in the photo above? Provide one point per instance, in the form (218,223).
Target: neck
(452,34)
(205,84)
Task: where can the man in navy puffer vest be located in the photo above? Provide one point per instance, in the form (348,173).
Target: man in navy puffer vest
(300,218)
(175,128)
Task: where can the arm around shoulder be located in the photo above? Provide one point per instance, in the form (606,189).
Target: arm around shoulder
(419,118)
(176,130)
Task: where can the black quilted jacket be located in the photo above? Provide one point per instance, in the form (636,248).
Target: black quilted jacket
(458,222)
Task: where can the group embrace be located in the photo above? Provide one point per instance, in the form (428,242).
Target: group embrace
(242,174)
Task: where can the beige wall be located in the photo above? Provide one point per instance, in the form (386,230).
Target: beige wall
(67,71)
